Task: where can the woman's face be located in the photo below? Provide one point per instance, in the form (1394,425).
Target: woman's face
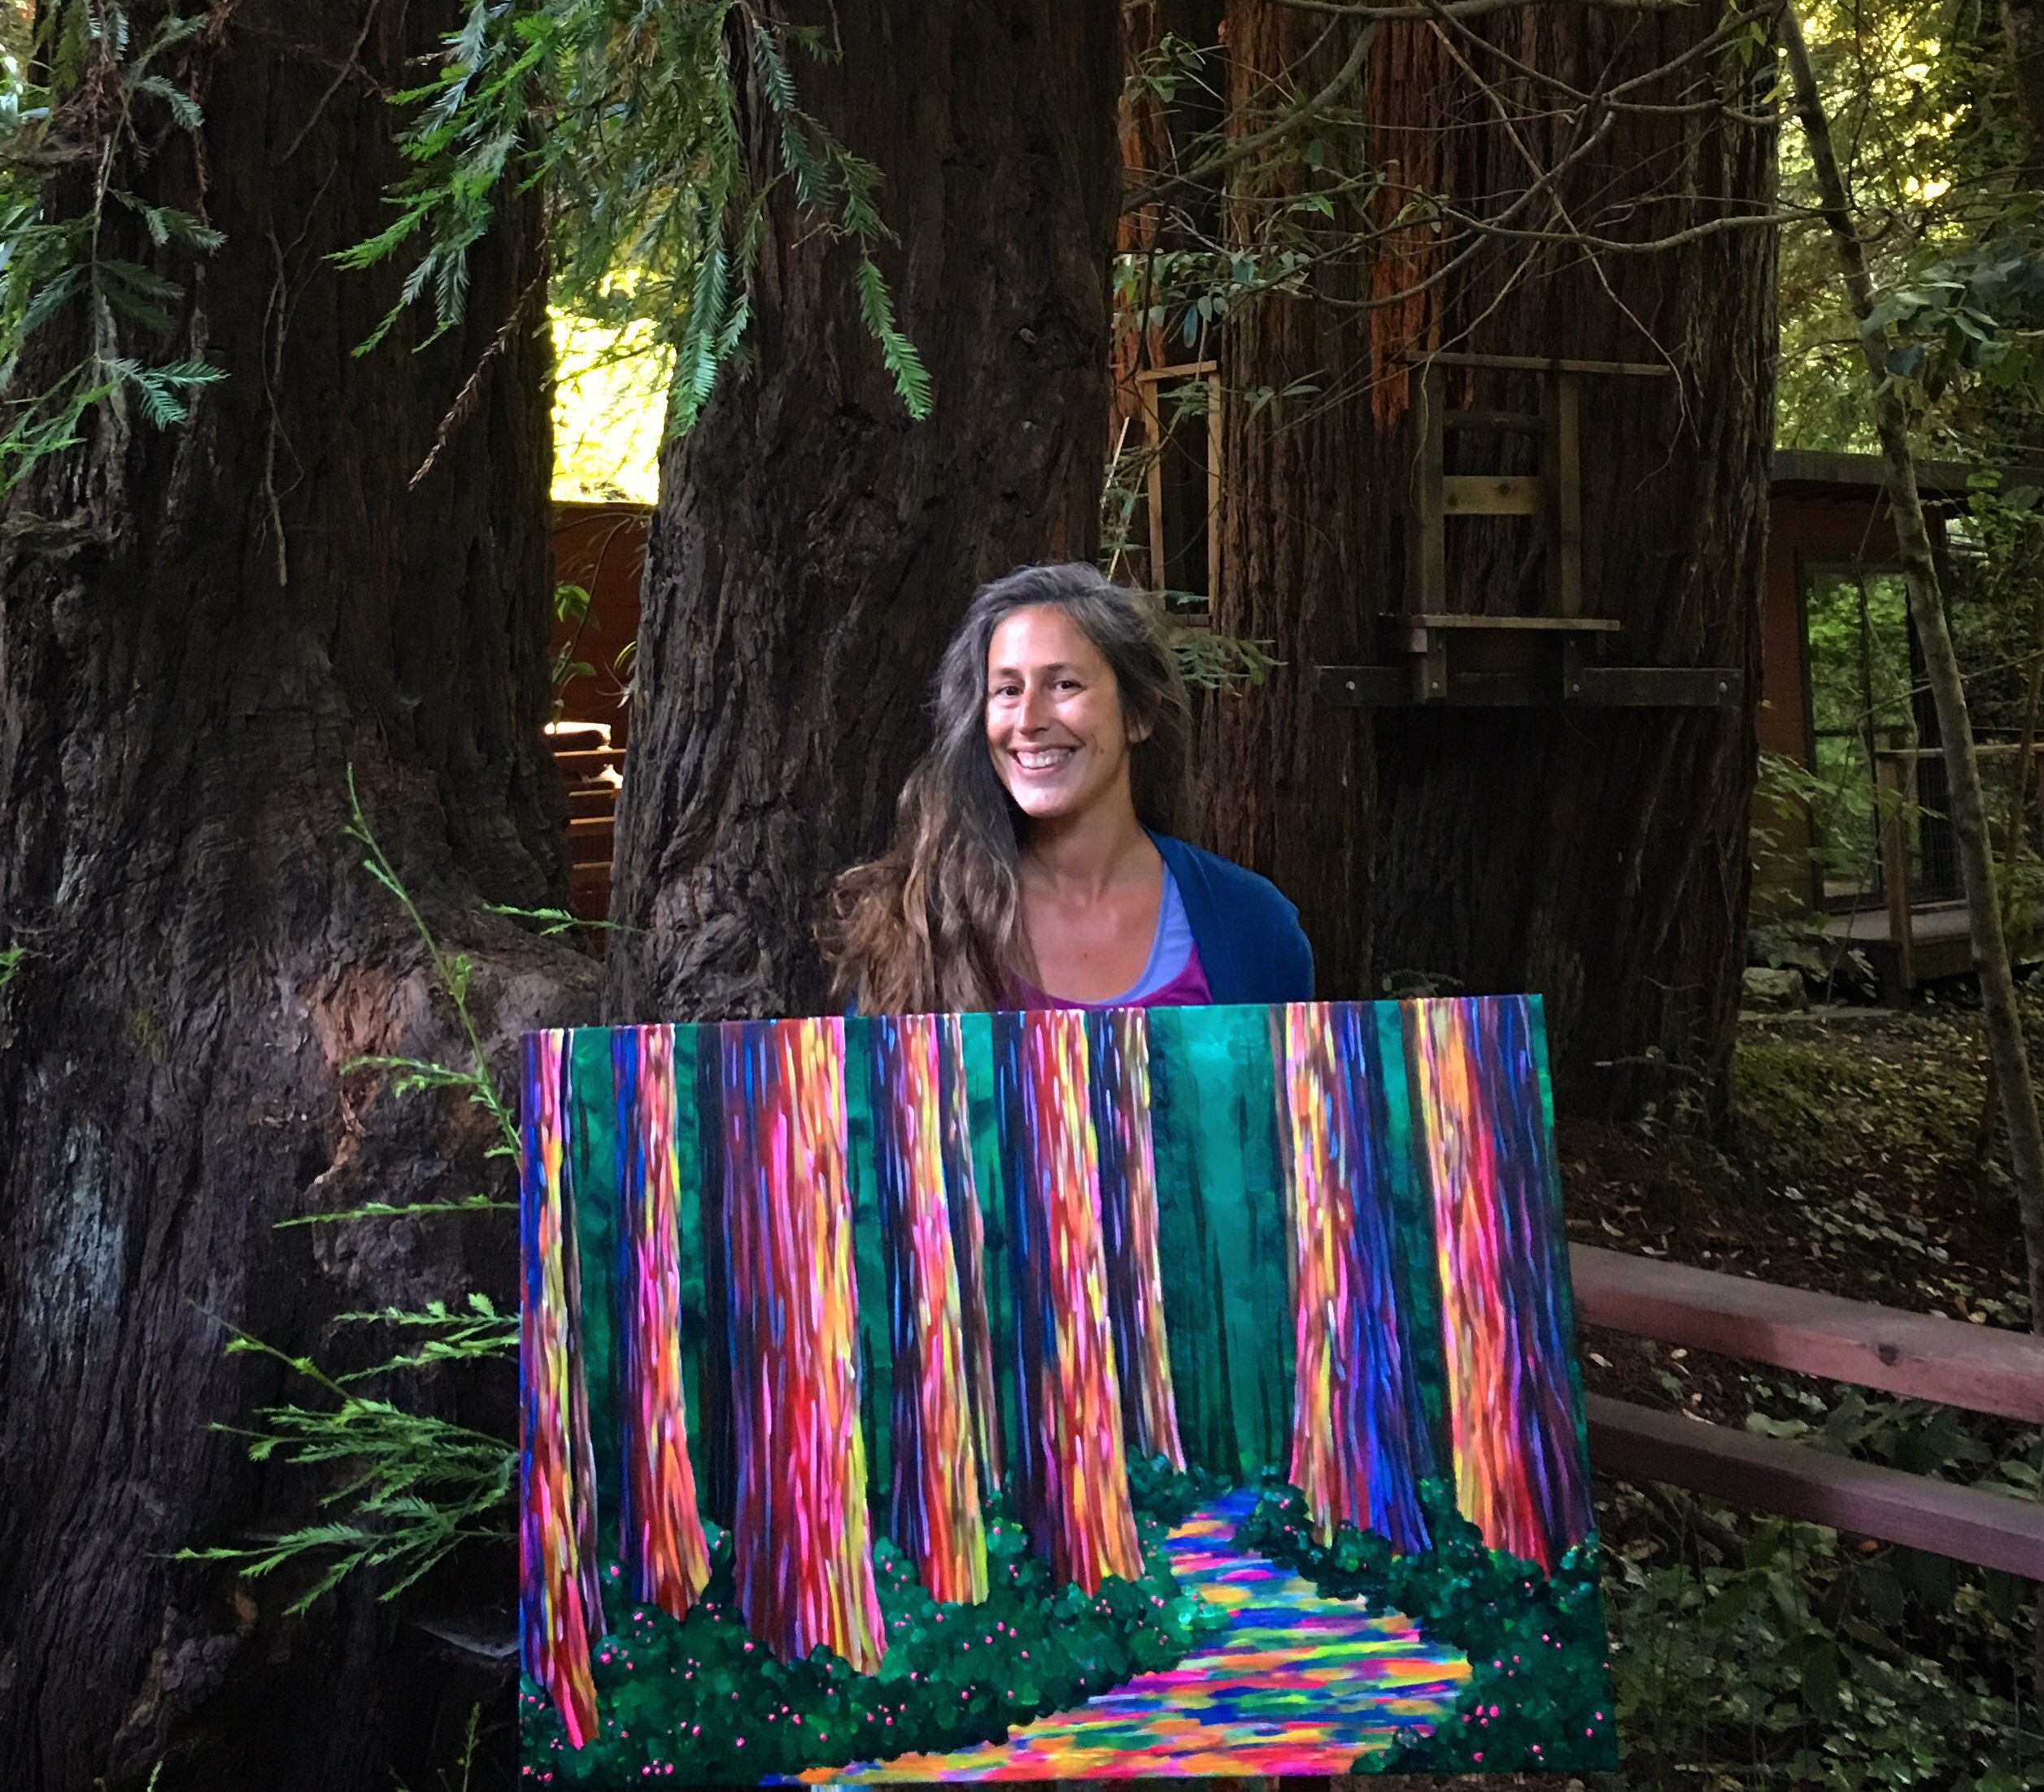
(1054,721)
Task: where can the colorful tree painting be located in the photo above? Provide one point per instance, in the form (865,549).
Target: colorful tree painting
(560,1609)
(1118,1041)
(804,1568)
(660,1530)
(1485,1141)
(934,1512)
(1358,1439)
(969,1246)
(1071,1479)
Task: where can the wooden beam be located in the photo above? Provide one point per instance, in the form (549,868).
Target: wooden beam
(1765,1473)
(1427,550)
(1564,479)
(1535,364)
(1490,494)
(1580,625)
(1914,1354)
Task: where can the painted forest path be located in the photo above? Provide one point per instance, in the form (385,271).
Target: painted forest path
(1295,1685)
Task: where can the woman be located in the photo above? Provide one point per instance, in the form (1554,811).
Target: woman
(1030,867)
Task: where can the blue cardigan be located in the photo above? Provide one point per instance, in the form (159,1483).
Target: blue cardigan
(1250,945)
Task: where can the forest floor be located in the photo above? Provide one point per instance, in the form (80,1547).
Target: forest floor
(1855,1168)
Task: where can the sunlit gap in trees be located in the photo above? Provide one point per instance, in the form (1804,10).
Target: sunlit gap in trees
(610,406)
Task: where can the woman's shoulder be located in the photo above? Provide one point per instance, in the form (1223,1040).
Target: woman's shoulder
(1224,877)
(1247,930)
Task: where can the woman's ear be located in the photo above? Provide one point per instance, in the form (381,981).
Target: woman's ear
(1140,728)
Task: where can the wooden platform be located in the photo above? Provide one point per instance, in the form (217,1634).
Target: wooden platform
(1941,943)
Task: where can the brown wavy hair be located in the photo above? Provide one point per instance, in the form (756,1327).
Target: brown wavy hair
(934,924)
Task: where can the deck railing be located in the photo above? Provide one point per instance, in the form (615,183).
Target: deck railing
(1924,1357)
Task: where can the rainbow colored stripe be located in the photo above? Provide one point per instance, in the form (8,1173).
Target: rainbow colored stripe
(969,1250)
(1521,1474)
(1072,1478)
(1120,1043)
(1356,1432)
(933,1511)
(803,1566)
(560,1606)
(660,1529)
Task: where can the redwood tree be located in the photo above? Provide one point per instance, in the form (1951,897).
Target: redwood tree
(201,631)
(813,546)
(1599,856)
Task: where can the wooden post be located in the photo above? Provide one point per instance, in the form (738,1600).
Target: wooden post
(1894,867)
(1426,556)
(1561,471)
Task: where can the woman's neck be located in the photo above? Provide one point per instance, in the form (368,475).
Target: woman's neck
(1083,856)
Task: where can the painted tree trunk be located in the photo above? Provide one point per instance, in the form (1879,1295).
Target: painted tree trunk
(814,548)
(1506,1331)
(563,1610)
(934,1502)
(201,631)
(1118,1042)
(969,1243)
(1359,1445)
(659,1528)
(804,1565)
(1071,1477)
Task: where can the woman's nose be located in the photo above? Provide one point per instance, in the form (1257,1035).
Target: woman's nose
(1035,706)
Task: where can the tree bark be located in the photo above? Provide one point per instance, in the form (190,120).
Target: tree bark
(201,631)
(814,548)
(2004,1022)
(1286,781)
(1598,857)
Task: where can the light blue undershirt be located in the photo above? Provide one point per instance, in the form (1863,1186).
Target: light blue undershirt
(1168,950)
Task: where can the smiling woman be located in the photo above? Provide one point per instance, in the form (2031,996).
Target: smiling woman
(1032,865)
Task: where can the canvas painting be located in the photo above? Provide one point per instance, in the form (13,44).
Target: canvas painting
(1185,1391)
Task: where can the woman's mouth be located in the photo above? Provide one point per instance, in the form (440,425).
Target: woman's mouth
(1042,759)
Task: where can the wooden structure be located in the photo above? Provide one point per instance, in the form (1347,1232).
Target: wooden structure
(1560,655)
(601,547)
(1923,1357)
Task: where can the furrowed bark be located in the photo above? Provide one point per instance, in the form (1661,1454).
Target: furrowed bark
(201,631)
(814,548)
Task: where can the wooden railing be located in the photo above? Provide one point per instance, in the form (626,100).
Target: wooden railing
(1930,1358)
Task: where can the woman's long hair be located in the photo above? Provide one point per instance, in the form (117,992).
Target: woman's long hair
(934,924)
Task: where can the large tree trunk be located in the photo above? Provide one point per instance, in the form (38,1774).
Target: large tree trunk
(1599,856)
(814,548)
(200,632)
(1285,783)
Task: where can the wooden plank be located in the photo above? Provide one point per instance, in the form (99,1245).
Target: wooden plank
(1767,1474)
(588,827)
(1914,1354)
(1564,477)
(1426,556)
(1535,364)
(1657,687)
(1490,494)
(1585,624)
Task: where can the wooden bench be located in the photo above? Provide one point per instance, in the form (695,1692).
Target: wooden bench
(1929,1358)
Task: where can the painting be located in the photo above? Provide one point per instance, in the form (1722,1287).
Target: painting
(1188,1392)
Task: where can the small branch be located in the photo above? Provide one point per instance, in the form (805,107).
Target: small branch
(470,395)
